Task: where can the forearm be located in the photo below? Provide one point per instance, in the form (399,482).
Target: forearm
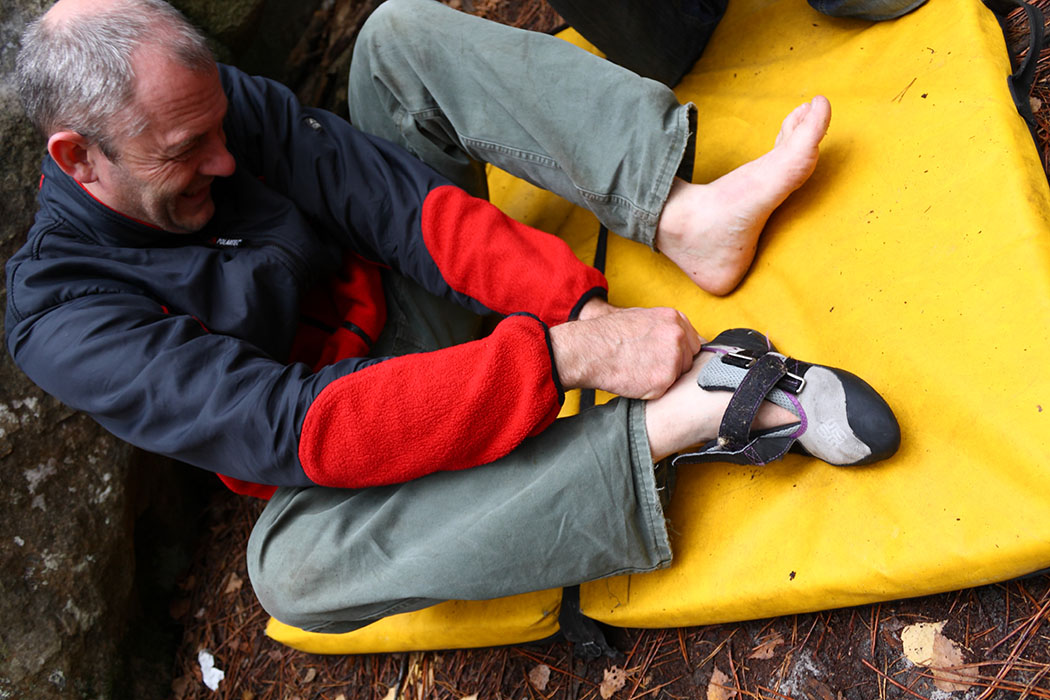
(451,409)
(486,256)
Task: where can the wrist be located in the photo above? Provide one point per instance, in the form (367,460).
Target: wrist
(568,361)
(595,307)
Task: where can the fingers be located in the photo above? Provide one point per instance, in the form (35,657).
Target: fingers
(673,343)
(689,344)
(695,341)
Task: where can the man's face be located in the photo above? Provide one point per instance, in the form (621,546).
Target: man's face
(163,175)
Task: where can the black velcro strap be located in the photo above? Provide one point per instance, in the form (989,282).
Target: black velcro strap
(600,248)
(582,632)
(587,396)
(685,166)
(760,379)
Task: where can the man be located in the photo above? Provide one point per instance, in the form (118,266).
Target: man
(222,275)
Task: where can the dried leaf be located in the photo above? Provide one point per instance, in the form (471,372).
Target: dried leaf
(235,584)
(615,679)
(815,690)
(311,673)
(949,670)
(539,676)
(918,641)
(470,697)
(340,696)
(391,693)
(718,687)
(925,645)
(767,647)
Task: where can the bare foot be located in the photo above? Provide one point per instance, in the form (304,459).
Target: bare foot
(711,231)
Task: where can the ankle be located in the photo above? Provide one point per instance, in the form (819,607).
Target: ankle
(675,217)
(685,415)
(688,415)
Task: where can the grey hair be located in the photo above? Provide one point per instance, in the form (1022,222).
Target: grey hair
(76,74)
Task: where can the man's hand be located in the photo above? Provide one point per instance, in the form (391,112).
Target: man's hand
(637,353)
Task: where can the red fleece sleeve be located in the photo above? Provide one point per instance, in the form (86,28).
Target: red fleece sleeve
(504,264)
(454,408)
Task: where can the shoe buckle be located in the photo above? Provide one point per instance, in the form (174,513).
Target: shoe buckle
(739,358)
(745,359)
(792,383)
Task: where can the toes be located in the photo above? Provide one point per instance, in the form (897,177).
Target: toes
(810,119)
(791,122)
(820,114)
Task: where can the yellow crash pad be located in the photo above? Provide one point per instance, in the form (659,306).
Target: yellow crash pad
(450,625)
(918,257)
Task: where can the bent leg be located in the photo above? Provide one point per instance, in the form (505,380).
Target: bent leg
(874,10)
(457,91)
(418,321)
(576,503)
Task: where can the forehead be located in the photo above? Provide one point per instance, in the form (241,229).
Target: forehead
(177,103)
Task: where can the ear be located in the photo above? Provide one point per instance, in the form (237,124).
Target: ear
(74,154)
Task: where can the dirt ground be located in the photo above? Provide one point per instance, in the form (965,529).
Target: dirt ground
(996,638)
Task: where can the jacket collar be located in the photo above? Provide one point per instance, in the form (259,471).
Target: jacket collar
(64,198)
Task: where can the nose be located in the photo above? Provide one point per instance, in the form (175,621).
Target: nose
(219,161)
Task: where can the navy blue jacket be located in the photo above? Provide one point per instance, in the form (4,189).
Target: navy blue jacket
(180,343)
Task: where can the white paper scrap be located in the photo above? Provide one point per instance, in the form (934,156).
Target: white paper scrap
(209,673)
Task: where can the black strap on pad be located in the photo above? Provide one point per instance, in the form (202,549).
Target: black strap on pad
(582,632)
(1023,78)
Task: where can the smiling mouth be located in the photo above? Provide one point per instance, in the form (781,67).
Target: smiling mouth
(197,194)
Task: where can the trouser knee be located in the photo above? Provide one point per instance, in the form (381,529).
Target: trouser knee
(403,76)
(394,27)
(284,590)
(299,587)
(277,589)
(873,10)
(397,23)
